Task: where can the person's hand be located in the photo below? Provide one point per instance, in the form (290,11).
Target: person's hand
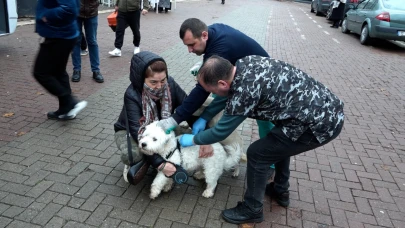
(167,124)
(199,125)
(144,11)
(186,140)
(168,169)
(116,8)
(44,19)
(206,151)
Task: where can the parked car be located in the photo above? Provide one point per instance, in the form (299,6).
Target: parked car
(383,19)
(8,17)
(347,6)
(320,7)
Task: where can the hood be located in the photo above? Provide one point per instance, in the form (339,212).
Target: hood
(139,63)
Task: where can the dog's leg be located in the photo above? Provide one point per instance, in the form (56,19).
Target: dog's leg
(236,171)
(158,183)
(211,179)
(168,186)
(199,175)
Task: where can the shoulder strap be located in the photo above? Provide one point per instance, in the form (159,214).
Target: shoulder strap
(130,158)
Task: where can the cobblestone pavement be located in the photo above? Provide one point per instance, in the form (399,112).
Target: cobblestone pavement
(68,174)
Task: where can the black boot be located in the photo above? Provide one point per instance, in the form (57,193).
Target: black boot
(283,199)
(76,76)
(98,77)
(242,214)
(223,2)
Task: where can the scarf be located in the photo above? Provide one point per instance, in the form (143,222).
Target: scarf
(149,108)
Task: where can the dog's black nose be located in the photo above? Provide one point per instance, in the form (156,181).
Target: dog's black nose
(143,144)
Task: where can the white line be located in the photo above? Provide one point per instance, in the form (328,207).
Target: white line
(337,41)
(292,19)
(319,26)
(298,29)
(268,22)
(303,37)
(295,23)
(326,32)
(310,18)
(314,21)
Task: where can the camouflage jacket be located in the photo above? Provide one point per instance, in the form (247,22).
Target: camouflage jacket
(269,89)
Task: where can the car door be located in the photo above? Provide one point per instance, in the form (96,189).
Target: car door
(358,15)
(366,12)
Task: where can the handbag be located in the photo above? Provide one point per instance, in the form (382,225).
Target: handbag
(112,20)
(138,170)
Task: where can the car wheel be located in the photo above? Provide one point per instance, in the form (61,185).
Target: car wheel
(344,26)
(365,36)
(329,12)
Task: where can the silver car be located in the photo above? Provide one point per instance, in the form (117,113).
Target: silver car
(383,19)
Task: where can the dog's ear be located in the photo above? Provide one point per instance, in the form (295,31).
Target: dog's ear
(168,131)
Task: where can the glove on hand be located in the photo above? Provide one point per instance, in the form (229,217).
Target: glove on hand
(167,124)
(186,140)
(199,125)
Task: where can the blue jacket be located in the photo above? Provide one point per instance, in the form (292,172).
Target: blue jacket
(230,44)
(61,18)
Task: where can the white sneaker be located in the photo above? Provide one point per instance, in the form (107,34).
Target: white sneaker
(125,172)
(78,107)
(136,50)
(115,52)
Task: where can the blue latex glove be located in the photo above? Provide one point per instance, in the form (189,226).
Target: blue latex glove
(186,140)
(199,125)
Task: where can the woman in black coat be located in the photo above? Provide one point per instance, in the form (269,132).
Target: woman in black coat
(338,12)
(152,95)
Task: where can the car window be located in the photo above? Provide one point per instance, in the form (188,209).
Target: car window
(371,4)
(394,4)
(362,4)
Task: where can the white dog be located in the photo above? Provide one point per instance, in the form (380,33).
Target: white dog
(155,140)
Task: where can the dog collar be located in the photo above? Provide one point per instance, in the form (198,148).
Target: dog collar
(172,152)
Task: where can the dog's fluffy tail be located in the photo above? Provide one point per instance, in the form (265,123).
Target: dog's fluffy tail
(234,152)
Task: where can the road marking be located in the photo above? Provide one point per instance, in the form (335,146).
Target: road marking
(319,26)
(303,37)
(295,23)
(298,29)
(293,19)
(337,41)
(310,18)
(314,21)
(326,32)
(268,22)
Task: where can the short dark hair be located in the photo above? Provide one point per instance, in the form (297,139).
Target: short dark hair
(214,69)
(195,25)
(155,67)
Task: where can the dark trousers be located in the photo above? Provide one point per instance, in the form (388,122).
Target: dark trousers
(125,19)
(83,42)
(276,148)
(50,66)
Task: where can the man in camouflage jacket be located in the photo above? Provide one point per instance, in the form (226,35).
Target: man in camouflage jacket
(306,115)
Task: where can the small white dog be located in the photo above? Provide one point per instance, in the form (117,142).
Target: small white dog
(155,140)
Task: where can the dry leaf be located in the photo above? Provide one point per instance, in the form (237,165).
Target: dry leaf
(247,225)
(40,93)
(21,133)
(385,167)
(9,114)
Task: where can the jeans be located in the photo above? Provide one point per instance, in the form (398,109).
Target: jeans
(90,29)
(276,148)
(125,19)
(83,43)
(50,66)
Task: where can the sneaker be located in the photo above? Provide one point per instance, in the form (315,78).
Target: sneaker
(115,52)
(78,108)
(136,50)
(58,115)
(84,52)
(125,172)
(282,199)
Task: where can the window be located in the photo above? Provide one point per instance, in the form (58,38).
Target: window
(394,4)
(362,4)
(371,4)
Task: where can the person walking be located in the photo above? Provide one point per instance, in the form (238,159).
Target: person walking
(338,12)
(129,14)
(306,115)
(88,18)
(56,23)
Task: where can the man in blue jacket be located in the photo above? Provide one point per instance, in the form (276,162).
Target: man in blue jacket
(56,22)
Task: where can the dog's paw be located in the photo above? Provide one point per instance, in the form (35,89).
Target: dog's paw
(199,175)
(153,194)
(235,172)
(168,187)
(208,193)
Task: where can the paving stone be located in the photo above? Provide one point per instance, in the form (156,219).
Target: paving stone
(69,214)
(55,222)
(47,214)
(93,201)
(12,211)
(64,188)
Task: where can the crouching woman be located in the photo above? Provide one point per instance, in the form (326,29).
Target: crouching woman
(152,95)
